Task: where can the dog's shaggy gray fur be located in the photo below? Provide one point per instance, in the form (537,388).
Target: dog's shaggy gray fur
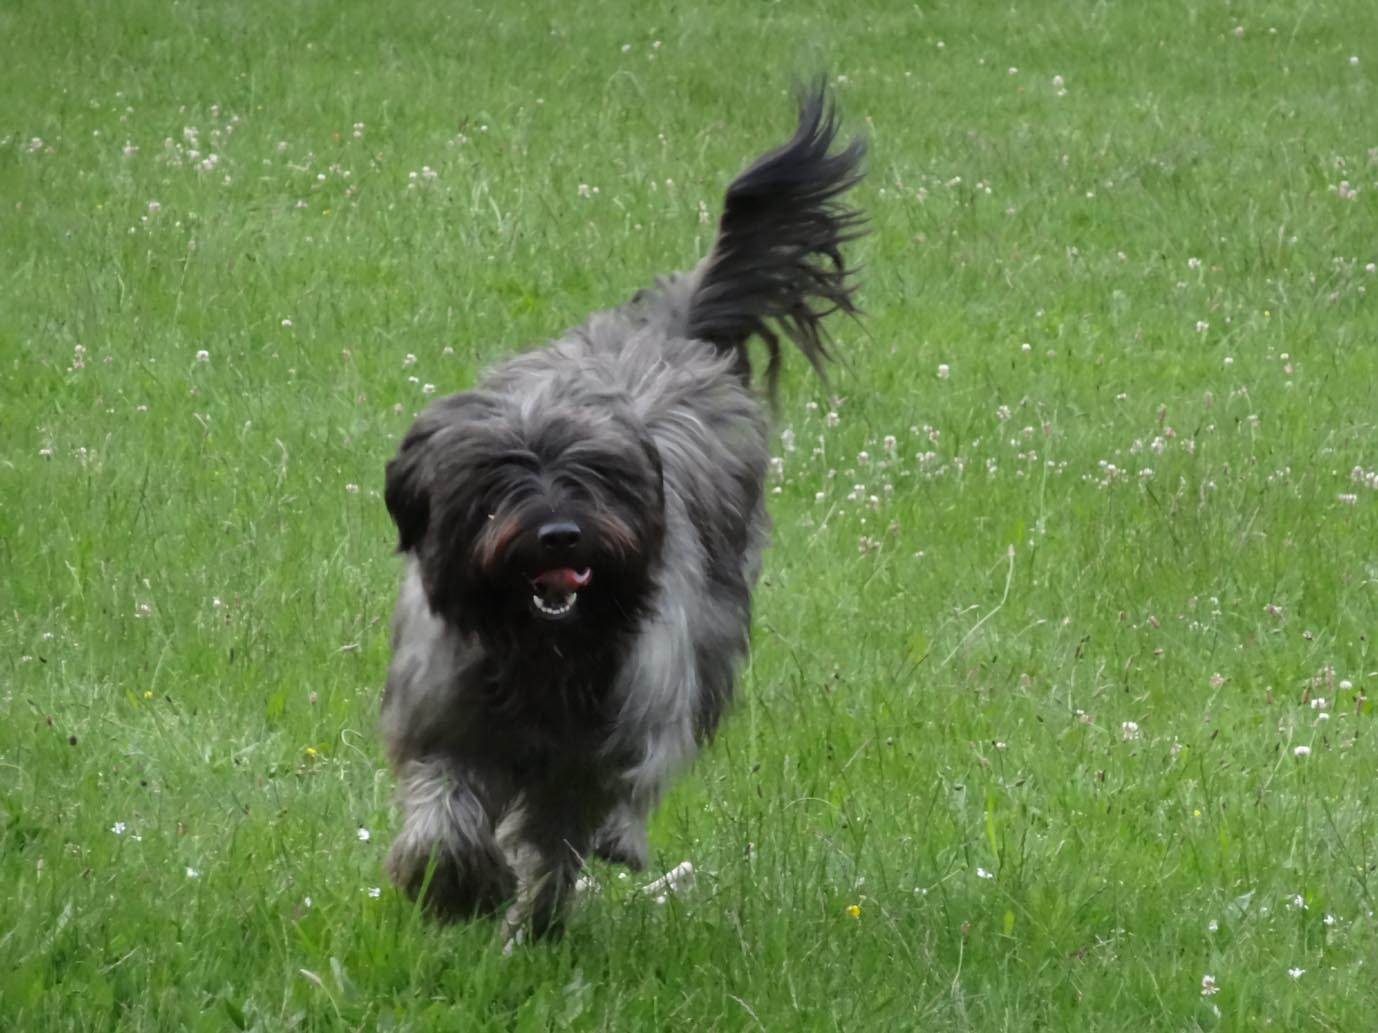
(581,533)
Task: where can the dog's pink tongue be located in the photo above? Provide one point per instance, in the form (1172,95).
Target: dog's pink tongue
(565,578)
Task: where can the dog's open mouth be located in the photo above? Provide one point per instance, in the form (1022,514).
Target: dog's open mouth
(557,590)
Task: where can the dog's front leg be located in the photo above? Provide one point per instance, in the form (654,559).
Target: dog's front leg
(447,837)
(546,841)
(622,837)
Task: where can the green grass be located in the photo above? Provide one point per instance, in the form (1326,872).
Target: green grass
(1037,719)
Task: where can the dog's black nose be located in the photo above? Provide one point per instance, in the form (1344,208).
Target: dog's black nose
(558,534)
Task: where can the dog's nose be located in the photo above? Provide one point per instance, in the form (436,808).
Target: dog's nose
(558,534)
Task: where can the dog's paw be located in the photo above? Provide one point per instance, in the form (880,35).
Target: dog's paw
(623,842)
(533,920)
(451,889)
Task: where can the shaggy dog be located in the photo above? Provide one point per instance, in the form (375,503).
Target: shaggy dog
(580,536)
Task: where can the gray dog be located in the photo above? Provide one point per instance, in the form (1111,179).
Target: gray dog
(580,536)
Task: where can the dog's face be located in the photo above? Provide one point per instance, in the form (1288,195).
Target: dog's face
(529,523)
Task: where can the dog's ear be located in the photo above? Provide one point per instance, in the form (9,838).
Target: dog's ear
(411,473)
(407,491)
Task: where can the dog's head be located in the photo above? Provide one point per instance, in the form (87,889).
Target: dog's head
(530,517)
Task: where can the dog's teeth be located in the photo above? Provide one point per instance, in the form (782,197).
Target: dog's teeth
(555,611)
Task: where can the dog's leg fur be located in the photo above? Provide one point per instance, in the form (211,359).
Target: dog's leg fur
(622,838)
(444,821)
(546,838)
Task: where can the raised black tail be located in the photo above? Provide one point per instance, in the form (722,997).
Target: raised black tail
(777,262)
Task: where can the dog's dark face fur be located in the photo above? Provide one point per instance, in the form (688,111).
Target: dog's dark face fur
(546,526)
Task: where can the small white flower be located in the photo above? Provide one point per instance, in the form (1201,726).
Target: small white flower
(1297,901)
(203,356)
(1212,926)
(1329,919)
(306,901)
(1301,751)
(286,322)
(352,489)
(1208,986)
(192,873)
(981,873)
(408,360)
(1129,730)
(1296,972)
(944,371)
(363,834)
(375,892)
(832,419)
(428,389)
(118,828)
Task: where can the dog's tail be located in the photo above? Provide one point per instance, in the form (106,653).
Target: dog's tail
(777,262)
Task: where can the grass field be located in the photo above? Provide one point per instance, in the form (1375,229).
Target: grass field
(1057,714)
